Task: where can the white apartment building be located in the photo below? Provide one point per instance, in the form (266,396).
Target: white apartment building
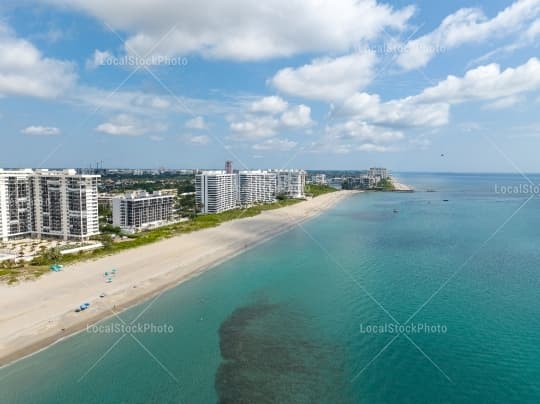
(43,203)
(256,187)
(216,191)
(219,191)
(15,203)
(319,179)
(291,183)
(378,172)
(140,210)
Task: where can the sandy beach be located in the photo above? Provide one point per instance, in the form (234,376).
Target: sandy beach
(35,314)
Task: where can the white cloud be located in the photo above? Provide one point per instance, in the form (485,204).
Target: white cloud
(127,125)
(41,131)
(276,144)
(271,105)
(244,29)
(370,147)
(196,123)
(327,78)
(297,117)
(254,127)
(98,59)
(403,112)
(258,126)
(363,132)
(485,83)
(504,103)
(198,139)
(25,71)
(468,25)
(143,103)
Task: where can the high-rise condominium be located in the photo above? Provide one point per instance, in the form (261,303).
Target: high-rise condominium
(43,203)
(139,210)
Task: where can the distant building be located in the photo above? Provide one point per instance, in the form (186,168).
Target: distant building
(43,203)
(141,210)
(105,201)
(257,187)
(219,191)
(228,167)
(216,191)
(291,183)
(382,173)
(319,179)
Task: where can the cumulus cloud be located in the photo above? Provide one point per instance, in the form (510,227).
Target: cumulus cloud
(327,78)
(405,112)
(485,83)
(226,29)
(275,144)
(504,103)
(198,139)
(257,126)
(468,25)
(254,127)
(25,71)
(41,131)
(196,123)
(297,117)
(271,105)
(127,125)
(363,132)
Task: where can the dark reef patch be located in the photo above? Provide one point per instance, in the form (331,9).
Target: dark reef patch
(270,355)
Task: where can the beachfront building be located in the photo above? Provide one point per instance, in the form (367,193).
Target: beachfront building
(380,172)
(216,191)
(141,210)
(319,179)
(256,187)
(15,204)
(291,183)
(219,191)
(42,203)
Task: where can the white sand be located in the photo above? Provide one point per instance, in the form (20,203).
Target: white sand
(37,313)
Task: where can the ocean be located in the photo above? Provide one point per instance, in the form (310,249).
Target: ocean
(387,298)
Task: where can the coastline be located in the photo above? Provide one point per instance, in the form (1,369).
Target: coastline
(40,313)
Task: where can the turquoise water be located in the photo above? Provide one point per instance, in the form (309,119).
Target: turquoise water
(286,322)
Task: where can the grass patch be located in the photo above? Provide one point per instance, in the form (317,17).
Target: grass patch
(316,190)
(40,265)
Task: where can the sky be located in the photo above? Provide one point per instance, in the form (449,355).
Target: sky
(317,84)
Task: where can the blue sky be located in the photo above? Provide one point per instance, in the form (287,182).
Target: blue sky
(342,84)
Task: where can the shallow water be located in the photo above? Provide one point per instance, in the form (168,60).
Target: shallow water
(288,320)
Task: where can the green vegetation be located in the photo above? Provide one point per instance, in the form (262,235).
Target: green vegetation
(11,272)
(316,190)
(385,185)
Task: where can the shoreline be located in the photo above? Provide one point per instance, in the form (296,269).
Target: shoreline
(42,311)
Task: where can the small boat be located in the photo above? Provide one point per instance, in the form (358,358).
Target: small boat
(445,200)
(396,210)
